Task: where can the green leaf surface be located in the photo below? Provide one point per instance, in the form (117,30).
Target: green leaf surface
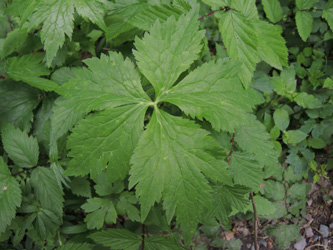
(236,196)
(162,243)
(246,7)
(117,239)
(80,186)
(47,222)
(14,41)
(294,136)
(328,13)
(263,206)
(281,119)
(148,16)
(285,83)
(307,101)
(304,4)
(92,10)
(57,18)
(316,143)
(272,46)
(246,171)
(274,190)
(211,92)
(125,205)
(168,50)
(284,235)
(17,101)
(273,10)
(169,161)
(76,246)
(240,39)
(108,82)
(99,141)
(304,23)
(21,148)
(254,139)
(47,190)
(100,211)
(29,69)
(10,196)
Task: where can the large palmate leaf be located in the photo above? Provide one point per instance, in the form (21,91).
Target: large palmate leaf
(10,196)
(101,210)
(240,39)
(169,50)
(109,82)
(212,91)
(246,171)
(57,17)
(99,141)
(254,139)
(117,239)
(29,69)
(169,162)
(21,148)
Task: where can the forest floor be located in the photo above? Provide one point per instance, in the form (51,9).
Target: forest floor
(316,227)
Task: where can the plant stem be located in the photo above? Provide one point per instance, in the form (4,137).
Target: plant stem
(211,13)
(232,144)
(143,237)
(255,222)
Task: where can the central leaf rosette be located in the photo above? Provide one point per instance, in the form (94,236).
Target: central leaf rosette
(171,159)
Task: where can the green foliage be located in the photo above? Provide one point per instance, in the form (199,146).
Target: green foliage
(152,117)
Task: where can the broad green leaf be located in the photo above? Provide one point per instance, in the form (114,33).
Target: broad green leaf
(328,13)
(125,205)
(263,206)
(273,10)
(254,139)
(246,7)
(169,162)
(307,101)
(294,136)
(168,50)
(212,92)
(14,41)
(285,83)
(328,83)
(240,39)
(216,3)
(316,143)
(162,243)
(148,16)
(47,190)
(99,142)
(304,23)
(76,246)
(236,197)
(80,186)
(272,47)
(17,101)
(57,18)
(246,171)
(21,148)
(304,4)
(10,196)
(29,69)
(92,10)
(63,117)
(117,239)
(108,82)
(281,119)
(284,235)
(221,208)
(297,191)
(100,211)
(47,222)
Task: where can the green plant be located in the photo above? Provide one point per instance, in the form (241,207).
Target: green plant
(170,134)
